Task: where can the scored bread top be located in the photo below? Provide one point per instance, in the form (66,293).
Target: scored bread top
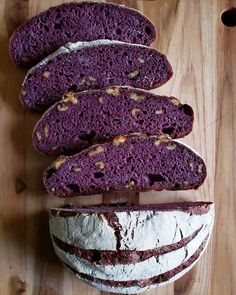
(104,245)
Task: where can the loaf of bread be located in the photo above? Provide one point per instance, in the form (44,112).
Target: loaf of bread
(72,22)
(128,163)
(92,116)
(93,65)
(131,249)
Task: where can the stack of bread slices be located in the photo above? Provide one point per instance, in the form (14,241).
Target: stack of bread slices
(91,75)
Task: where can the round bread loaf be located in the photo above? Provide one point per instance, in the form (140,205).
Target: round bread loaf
(105,245)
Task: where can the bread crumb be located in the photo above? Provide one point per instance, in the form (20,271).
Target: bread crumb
(136,97)
(92,78)
(158,112)
(100,165)
(46,74)
(101,99)
(59,162)
(171,146)
(115,91)
(141,60)
(97,150)
(200,166)
(191,166)
(175,101)
(46,131)
(38,135)
(62,107)
(119,139)
(133,74)
(135,112)
(69,96)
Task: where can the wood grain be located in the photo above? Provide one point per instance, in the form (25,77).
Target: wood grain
(203,54)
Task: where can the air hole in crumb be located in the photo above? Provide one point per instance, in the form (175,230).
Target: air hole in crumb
(228,17)
(168,130)
(129,159)
(186,109)
(131,182)
(73,187)
(73,88)
(98,175)
(148,30)
(155,178)
(125,53)
(50,172)
(130,62)
(88,137)
(118,31)
(177,186)
(57,26)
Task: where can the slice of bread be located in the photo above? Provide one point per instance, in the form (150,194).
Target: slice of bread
(93,116)
(71,22)
(128,163)
(93,65)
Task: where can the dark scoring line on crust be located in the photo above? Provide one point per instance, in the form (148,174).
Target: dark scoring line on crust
(113,222)
(109,257)
(198,208)
(146,282)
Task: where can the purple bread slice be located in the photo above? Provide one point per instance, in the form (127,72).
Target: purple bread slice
(104,245)
(93,65)
(93,116)
(128,163)
(72,22)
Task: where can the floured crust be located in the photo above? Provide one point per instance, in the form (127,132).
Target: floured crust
(132,273)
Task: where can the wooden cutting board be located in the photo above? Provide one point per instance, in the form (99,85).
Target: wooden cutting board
(203,54)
